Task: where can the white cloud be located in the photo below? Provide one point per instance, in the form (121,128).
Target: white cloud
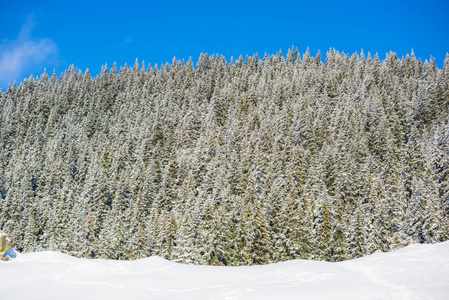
(127,40)
(23,54)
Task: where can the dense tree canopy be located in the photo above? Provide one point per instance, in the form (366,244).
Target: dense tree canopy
(251,161)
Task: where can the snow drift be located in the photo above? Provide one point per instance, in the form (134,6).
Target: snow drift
(415,272)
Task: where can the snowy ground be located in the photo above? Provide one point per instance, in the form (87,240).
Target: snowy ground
(415,272)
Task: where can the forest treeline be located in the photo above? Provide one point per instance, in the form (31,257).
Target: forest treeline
(249,161)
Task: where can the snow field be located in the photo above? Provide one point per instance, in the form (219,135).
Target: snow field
(415,272)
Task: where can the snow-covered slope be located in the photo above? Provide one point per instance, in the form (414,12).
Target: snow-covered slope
(415,272)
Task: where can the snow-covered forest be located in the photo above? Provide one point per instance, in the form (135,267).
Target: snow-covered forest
(248,161)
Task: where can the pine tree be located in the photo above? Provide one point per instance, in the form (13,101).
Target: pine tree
(247,162)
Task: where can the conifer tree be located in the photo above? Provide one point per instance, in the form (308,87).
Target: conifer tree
(253,161)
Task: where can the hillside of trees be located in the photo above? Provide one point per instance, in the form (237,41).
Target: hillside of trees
(248,161)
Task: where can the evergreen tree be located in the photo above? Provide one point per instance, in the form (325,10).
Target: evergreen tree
(251,161)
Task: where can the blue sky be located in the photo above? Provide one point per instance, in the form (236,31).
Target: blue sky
(55,34)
